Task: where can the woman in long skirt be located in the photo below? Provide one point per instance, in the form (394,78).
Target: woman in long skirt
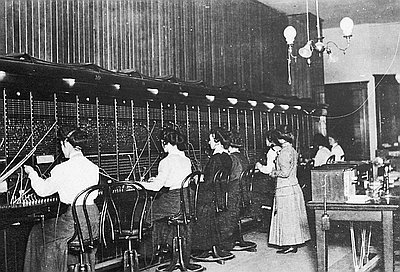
(205,233)
(289,225)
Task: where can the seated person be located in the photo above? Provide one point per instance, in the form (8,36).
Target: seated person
(67,179)
(323,153)
(172,170)
(336,149)
(204,233)
(239,164)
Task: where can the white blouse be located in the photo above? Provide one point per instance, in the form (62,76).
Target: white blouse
(337,150)
(271,157)
(172,170)
(68,179)
(322,156)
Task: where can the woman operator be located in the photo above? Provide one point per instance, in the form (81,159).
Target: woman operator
(205,237)
(172,170)
(50,253)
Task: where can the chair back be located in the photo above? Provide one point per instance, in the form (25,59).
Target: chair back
(221,183)
(81,224)
(331,159)
(189,196)
(246,187)
(125,210)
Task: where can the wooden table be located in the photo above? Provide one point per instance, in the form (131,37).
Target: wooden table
(359,213)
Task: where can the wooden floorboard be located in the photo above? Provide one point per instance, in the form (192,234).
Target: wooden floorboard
(266,259)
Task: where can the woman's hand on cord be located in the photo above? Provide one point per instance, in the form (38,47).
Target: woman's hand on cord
(29,169)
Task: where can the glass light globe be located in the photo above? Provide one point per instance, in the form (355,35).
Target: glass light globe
(2,75)
(306,50)
(397,77)
(347,24)
(284,106)
(320,46)
(269,105)
(232,100)
(289,33)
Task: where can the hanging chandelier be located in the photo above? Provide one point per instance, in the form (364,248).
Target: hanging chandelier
(346,24)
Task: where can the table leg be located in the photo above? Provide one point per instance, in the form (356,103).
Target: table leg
(322,247)
(387,228)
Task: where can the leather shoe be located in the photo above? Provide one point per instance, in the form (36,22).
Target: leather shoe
(287,250)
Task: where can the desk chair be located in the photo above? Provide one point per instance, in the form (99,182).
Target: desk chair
(246,190)
(216,254)
(129,200)
(187,214)
(119,220)
(331,159)
(80,243)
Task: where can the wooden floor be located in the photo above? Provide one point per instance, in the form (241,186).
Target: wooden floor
(266,259)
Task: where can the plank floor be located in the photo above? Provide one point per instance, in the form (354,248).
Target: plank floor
(266,259)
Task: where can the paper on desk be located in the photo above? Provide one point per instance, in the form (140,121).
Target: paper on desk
(358,199)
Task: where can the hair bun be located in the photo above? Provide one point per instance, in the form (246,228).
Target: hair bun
(174,137)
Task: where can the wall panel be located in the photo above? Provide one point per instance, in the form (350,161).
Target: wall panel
(224,42)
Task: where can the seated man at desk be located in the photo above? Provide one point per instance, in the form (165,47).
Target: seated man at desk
(49,253)
(172,170)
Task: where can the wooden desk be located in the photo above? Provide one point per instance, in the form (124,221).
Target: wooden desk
(355,212)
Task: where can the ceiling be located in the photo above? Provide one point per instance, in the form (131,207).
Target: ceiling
(332,11)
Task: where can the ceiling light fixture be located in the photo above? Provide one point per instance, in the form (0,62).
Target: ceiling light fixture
(252,103)
(284,106)
(346,24)
(69,81)
(232,100)
(2,75)
(210,98)
(290,33)
(269,105)
(297,107)
(153,90)
(397,77)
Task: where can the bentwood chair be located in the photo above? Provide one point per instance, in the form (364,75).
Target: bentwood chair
(331,159)
(129,200)
(186,215)
(216,253)
(246,202)
(86,235)
(122,207)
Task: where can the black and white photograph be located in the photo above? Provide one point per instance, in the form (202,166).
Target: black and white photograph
(200,135)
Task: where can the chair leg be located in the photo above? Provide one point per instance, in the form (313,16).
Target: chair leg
(80,268)
(181,250)
(241,244)
(175,255)
(180,260)
(131,261)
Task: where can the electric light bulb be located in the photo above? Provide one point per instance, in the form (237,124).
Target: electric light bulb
(306,50)
(290,33)
(347,24)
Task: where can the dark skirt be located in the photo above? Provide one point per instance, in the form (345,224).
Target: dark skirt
(164,206)
(47,248)
(212,228)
